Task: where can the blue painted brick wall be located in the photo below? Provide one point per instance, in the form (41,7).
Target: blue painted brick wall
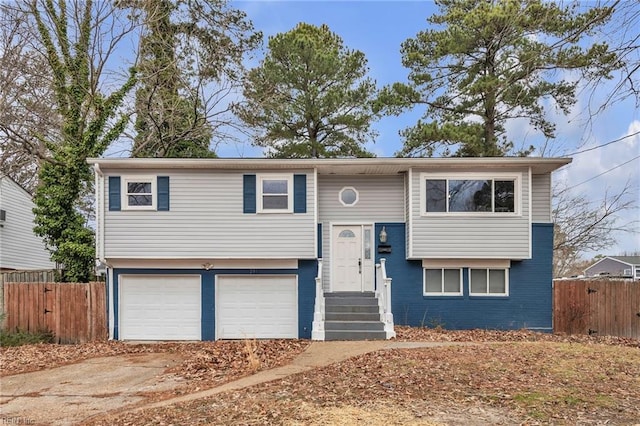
(208,321)
(529,304)
(307,271)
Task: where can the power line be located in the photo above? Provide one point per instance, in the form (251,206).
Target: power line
(603,173)
(604,144)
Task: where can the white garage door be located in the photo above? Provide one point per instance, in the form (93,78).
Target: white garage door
(160,307)
(264,307)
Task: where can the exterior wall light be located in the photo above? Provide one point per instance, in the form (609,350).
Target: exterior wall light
(383,235)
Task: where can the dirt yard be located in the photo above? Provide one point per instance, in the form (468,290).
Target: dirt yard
(506,378)
(492,383)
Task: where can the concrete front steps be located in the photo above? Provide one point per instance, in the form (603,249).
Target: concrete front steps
(352,316)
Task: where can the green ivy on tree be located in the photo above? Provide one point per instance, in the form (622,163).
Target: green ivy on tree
(89,123)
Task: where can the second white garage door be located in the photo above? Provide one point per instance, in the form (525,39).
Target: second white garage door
(263,307)
(160,307)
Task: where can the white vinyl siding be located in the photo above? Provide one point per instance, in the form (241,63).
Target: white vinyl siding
(206,220)
(380,199)
(20,248)
(460,236)
(541,198)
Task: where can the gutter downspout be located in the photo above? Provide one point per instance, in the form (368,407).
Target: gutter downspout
(99,182)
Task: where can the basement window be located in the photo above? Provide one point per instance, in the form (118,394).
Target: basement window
(442,282)
(488,282)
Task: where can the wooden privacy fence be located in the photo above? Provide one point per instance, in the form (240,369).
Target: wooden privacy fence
(75,313)
(597,307)
(40,276)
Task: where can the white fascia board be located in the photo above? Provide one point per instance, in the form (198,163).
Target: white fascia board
(374,165)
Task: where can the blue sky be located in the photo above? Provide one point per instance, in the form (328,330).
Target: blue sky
(377,28)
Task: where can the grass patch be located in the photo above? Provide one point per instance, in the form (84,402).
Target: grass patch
(19,337)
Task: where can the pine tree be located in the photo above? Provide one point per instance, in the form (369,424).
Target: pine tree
(487,62)
(310,97)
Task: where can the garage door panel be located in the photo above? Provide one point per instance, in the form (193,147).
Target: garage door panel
(160,307)
(256,307)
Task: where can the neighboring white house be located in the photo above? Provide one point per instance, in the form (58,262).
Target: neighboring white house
(615,266)
(20,248)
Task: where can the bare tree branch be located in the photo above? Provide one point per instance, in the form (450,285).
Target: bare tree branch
(581,225)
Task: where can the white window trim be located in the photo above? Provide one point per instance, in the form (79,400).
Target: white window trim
(261,178)
(124,194)
(516,177)
(466,263)
(506,283)
(440,294)
(354,190)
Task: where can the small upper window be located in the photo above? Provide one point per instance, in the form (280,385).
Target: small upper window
(275,194)
(139,194)
(488,282)
(348,196)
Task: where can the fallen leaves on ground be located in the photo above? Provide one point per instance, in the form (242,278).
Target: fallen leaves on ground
(423,334)
(506,383)
(203,364)
(529,378)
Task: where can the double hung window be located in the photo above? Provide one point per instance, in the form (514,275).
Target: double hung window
(139,193)
(275,194)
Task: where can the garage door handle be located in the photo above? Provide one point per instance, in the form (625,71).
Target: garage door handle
(359,266)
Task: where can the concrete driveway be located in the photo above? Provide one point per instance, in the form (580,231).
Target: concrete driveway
(67,395)
(73,393)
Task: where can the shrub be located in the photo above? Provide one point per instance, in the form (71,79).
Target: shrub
(19,337)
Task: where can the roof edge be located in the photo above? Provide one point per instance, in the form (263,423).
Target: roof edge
(543,164)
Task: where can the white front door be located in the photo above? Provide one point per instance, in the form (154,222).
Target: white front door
(351,258)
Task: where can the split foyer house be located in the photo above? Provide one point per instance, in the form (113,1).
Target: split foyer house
(323,248)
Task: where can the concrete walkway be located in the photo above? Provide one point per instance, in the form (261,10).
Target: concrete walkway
(318,354)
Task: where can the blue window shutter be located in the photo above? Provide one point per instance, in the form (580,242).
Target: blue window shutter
(299,193)
(163,193)
(249,193)
(114,193)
